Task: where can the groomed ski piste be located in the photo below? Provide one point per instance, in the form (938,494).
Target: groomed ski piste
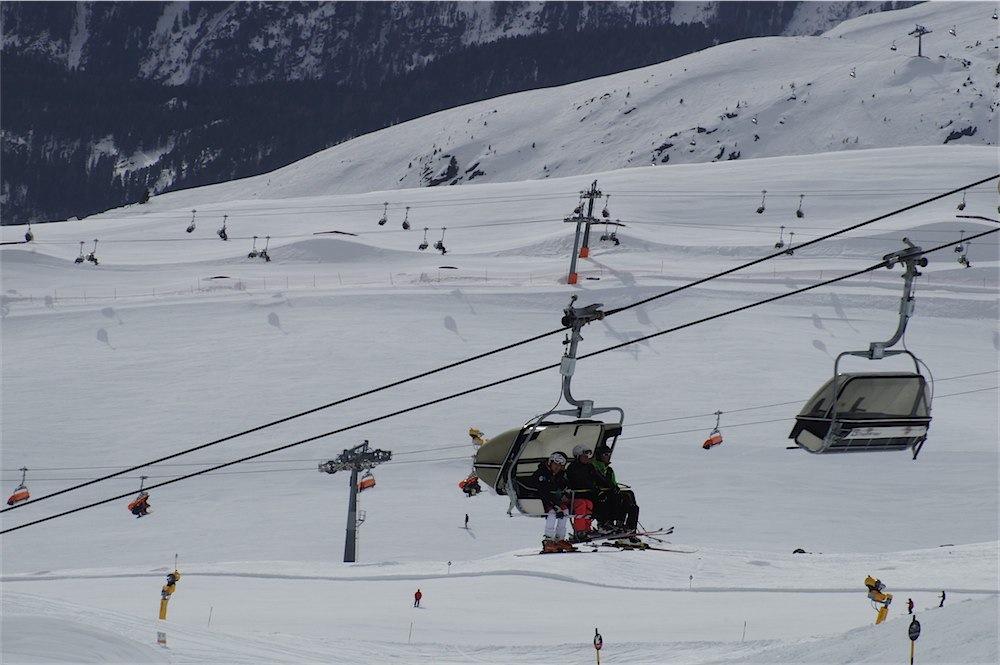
(176,339)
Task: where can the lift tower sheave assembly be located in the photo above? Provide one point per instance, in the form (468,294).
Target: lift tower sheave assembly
(358,458)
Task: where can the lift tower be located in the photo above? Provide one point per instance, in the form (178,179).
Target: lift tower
(355,459)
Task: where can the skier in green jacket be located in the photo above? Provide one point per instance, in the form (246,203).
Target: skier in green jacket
(623,509)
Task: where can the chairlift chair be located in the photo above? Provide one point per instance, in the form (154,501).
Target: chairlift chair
(961,206)
(510,458)
(799,213)
(21,491)
(92,257)
(854,72)
(253,250)
(385,214)
(190,227)
(951,31)
(222,232)
(139,506)
(423,243)
(606,214)
(470,486)
(963,260)
(763,197)
(367,481)
(893,47)
(872,411)
(791,239)
(781,238)
(439,245)
(960,247)
(28,235)
(406,219)
(263,253)
(715,436)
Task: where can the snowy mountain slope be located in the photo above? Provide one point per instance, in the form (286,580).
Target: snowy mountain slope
(752,98)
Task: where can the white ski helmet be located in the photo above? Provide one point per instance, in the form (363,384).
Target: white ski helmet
(558,458)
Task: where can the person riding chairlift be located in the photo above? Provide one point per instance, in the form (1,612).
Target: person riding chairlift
(549,481)
(591,493)
(623,510)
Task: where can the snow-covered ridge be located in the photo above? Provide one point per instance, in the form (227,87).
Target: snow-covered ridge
(845,90)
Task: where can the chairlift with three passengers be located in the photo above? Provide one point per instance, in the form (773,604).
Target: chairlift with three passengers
(190,227)
(423,243)
(872,411)
(470,485)
(21,491)
(510,458)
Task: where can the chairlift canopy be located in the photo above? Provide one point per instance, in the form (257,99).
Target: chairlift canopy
(517,453)
(872,412)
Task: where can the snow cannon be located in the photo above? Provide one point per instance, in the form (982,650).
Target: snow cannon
(876,593)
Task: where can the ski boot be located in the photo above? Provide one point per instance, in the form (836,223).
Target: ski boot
(565,546)
(551,546)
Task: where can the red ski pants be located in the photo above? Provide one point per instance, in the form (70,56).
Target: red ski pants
(582,507)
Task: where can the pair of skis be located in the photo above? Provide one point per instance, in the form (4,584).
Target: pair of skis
(616,543)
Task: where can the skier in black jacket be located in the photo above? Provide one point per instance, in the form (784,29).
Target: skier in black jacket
(591,490)
(549,483)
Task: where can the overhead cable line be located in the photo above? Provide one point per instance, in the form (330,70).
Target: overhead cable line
(469,391)
(466,457)
(466,445)
(511,346)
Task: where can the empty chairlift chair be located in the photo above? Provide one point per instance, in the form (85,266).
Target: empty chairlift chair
(20,492)
(507,460)
(367,481)
(872,411)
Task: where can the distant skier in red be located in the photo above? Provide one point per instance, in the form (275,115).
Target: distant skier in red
(416,598)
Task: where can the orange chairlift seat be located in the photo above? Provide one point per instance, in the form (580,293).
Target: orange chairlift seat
(367,481)
(21,491)
(715,437)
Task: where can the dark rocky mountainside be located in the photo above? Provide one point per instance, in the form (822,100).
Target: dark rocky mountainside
(104,101)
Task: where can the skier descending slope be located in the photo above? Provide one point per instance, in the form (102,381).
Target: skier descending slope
(549,481)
